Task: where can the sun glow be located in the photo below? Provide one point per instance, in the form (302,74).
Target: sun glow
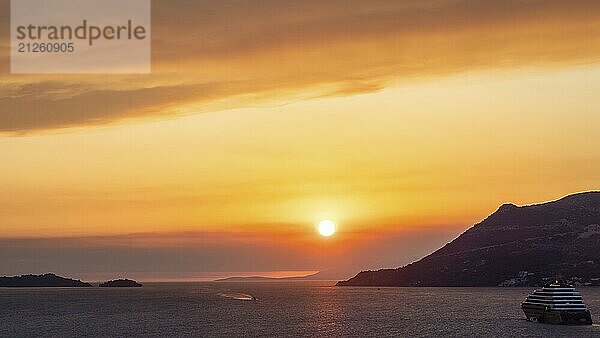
(326,228)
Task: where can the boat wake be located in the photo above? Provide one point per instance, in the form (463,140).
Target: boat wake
(237,296)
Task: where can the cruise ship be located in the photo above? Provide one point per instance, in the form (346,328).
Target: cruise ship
(557,303)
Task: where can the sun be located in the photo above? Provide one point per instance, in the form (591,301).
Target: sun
(326,228)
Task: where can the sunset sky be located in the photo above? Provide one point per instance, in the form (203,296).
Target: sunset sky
(404,122)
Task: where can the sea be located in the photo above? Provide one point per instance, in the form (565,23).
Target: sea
(276,309)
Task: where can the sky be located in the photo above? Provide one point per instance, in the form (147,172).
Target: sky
(403,122)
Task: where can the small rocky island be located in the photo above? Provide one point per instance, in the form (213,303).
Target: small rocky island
(121,283)
(45,280)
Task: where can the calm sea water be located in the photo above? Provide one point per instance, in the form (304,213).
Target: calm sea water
(281,309)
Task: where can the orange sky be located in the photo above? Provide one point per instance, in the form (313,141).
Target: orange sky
(404,122)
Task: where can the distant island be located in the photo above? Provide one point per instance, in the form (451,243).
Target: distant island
(515,246)
(251,279)
(322,275)
(120,283)
(45,280)
(52,280)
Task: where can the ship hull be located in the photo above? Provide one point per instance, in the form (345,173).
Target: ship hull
(558,317)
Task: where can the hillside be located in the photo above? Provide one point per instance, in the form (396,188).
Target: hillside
(515,246)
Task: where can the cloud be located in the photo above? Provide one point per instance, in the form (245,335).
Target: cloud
(52,104)
(191,255)
(213,55)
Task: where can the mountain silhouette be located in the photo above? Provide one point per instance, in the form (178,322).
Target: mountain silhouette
(515,246)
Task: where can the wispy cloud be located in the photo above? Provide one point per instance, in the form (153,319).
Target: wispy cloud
(193,255)
(212,55)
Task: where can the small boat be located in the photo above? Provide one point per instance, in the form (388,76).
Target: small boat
(557,303)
